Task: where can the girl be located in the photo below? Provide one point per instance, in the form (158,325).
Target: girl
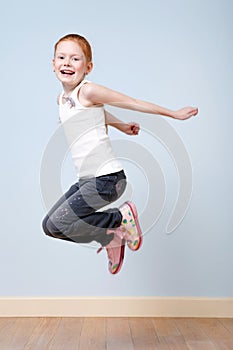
(101,177)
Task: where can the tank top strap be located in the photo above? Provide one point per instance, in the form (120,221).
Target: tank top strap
(74,94)
(78,87)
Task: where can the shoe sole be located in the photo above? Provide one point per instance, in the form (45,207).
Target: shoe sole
(135,216)
(122,255)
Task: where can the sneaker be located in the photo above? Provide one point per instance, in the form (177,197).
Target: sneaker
(116,251)
(130,225)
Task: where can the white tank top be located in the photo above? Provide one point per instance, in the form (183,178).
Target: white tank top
(87,137)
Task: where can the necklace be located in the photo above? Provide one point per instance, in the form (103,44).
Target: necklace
(69,100)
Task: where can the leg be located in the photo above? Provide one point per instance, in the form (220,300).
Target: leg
(74,188)
(74,218)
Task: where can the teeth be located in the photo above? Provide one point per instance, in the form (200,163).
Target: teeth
(67,72)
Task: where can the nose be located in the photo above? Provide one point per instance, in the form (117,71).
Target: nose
(67,61)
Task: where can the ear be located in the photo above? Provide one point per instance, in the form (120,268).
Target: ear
(89,67)
(53,65)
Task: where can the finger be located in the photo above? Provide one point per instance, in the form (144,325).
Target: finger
(195,111)
(133,128)
(134,124)
(136,130)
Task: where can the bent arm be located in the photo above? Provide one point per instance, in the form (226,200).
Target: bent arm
(113,121)
(128,128)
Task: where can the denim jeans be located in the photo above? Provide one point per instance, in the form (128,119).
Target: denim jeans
(75,217)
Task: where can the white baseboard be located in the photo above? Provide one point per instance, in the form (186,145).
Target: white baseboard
(116,307)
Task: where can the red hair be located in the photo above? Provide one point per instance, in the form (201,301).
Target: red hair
(81,41)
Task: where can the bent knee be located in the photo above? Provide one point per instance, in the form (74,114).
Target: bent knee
(45,226)
(50,229)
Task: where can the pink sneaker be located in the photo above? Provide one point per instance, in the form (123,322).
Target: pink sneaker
(116,251)
(130,225)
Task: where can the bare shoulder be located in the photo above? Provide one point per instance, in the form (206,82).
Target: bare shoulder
(90,89)
(89,93)
(95,94)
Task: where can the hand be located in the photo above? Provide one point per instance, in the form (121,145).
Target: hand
(185,113)
(131,128)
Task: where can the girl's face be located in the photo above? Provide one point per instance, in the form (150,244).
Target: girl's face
(70,64)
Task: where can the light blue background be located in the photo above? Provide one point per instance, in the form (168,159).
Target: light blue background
(174,53)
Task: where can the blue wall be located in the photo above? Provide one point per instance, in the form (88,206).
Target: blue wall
(174,53)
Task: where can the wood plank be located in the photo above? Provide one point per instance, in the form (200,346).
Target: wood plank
(143,334)
(23,327)
(201,345)
(173,342)
(119,334)
(224,344)
(227,323)
(67,334)
(168,334)
(213,328)
(42,334)
(165,327)
(8,327)
(190,329)
(93,334)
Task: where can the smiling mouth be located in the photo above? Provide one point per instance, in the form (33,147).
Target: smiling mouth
(66,72)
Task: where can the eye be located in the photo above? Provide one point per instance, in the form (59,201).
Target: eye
(60,57)
(76,59)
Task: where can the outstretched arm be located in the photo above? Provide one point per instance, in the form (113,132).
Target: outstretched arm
(128,128)
(97,94)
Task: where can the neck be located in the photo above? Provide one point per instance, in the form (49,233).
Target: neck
(68,89)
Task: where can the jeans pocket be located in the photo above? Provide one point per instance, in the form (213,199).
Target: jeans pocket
(110,187)
(105,184)
(120,187)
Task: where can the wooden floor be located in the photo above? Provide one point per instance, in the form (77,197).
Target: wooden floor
(115,333)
